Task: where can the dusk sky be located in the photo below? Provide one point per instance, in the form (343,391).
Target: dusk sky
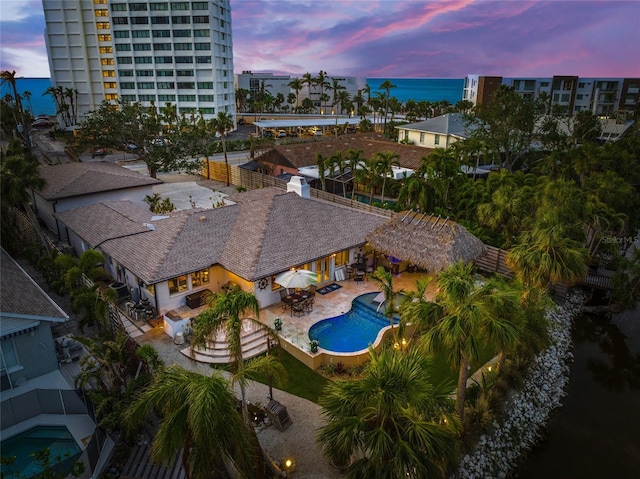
(394,39)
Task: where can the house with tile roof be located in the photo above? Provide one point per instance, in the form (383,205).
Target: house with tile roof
(72,185)
(26,314)
(439,132)
(173,257)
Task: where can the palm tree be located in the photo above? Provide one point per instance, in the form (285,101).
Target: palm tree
(322,80)
(224,315)
(386,86)
(323,164)
(340,164)
(198,416)
(27,96)
(384,280)
(355,161)
(385,160)
(296,85)
(465,316)
(220,124)
(309,80)
(417,193)
(393,420)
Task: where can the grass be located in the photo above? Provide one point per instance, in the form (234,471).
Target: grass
(303,381)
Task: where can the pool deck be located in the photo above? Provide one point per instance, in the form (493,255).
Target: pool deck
(295,329)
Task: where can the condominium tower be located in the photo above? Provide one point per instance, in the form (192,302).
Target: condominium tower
(146,51)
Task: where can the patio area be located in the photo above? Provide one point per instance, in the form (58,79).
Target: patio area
(295,329)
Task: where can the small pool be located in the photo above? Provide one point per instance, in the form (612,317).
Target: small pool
(57,438)
(353,331)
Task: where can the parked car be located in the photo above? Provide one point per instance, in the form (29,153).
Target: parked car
(267,133)
(41,123)
(282,134)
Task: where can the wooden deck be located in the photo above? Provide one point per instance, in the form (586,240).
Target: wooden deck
(139,466)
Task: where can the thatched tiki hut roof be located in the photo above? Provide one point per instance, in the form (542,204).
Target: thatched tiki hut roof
(432,243)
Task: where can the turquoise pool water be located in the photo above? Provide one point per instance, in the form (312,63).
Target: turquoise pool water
(57,438)
(353,331)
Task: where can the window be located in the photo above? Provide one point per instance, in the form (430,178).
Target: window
(164,59)
(182,46)
(199,6)
(436,140)
(544,84)
(178,285)
(120,21)
(164,73)
(166,85)
(161,46)
(180,20)
(200,19)
(186,98)
(118,7)
(110,84)
(111,96)
(179,5)
(200,278)
(120,47)
(108,73)
(141,47)
(128,98)
(421,137)
(182,33)
(203,46)
(222,23)
(186,85)
(128,86)
(184,59)
(146,85)
(156,7)
(103,26)
(121,34)
(579,97)
(9,356)
(161,33)
(147,97)
(125,73)
(185,73)
(166,98)
(104,38)
(187,110)
(581,85)
(206,85)
(206,98)
(137,7)
(125,60)
(208,111)
(224,84)
(203,59)
(140,34)
(565,98)
(107,61)
(141,60)
(202,33)
(99,2)
(102,13)
(139,21)
(144,73)
(159,20)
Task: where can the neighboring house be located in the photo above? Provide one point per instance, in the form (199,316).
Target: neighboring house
(72,185)
(27,348)
(439,132)
(265,233)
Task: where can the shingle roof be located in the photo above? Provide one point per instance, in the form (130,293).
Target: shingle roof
(449,124)
(21,296)
(266,232)
(304,154)
(77,179)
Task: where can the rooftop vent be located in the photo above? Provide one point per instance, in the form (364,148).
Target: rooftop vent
(203,218)
(298,185)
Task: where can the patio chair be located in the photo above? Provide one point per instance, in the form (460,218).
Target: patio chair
(297,309)
(312,289)
(283,296)
(307,305)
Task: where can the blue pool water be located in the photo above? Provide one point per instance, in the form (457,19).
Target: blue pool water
(57,438)
(353,331)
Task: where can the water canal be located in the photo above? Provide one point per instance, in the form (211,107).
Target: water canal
(596,434)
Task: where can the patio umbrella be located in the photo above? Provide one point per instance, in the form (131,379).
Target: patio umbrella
(297,278)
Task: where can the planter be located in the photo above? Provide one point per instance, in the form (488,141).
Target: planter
(342,467)
(277,324)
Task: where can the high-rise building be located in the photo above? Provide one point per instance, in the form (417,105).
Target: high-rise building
(159,52)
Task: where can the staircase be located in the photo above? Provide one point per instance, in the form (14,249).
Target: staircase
(253,340)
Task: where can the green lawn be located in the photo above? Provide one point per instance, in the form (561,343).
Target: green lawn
(303,381)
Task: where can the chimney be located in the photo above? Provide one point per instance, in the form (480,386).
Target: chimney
(298,185)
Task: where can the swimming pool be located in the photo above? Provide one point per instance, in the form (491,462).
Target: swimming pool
(353,331)
(57,438)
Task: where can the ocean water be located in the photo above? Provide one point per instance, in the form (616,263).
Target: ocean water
(422,89)
(39,104)
(417,89)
